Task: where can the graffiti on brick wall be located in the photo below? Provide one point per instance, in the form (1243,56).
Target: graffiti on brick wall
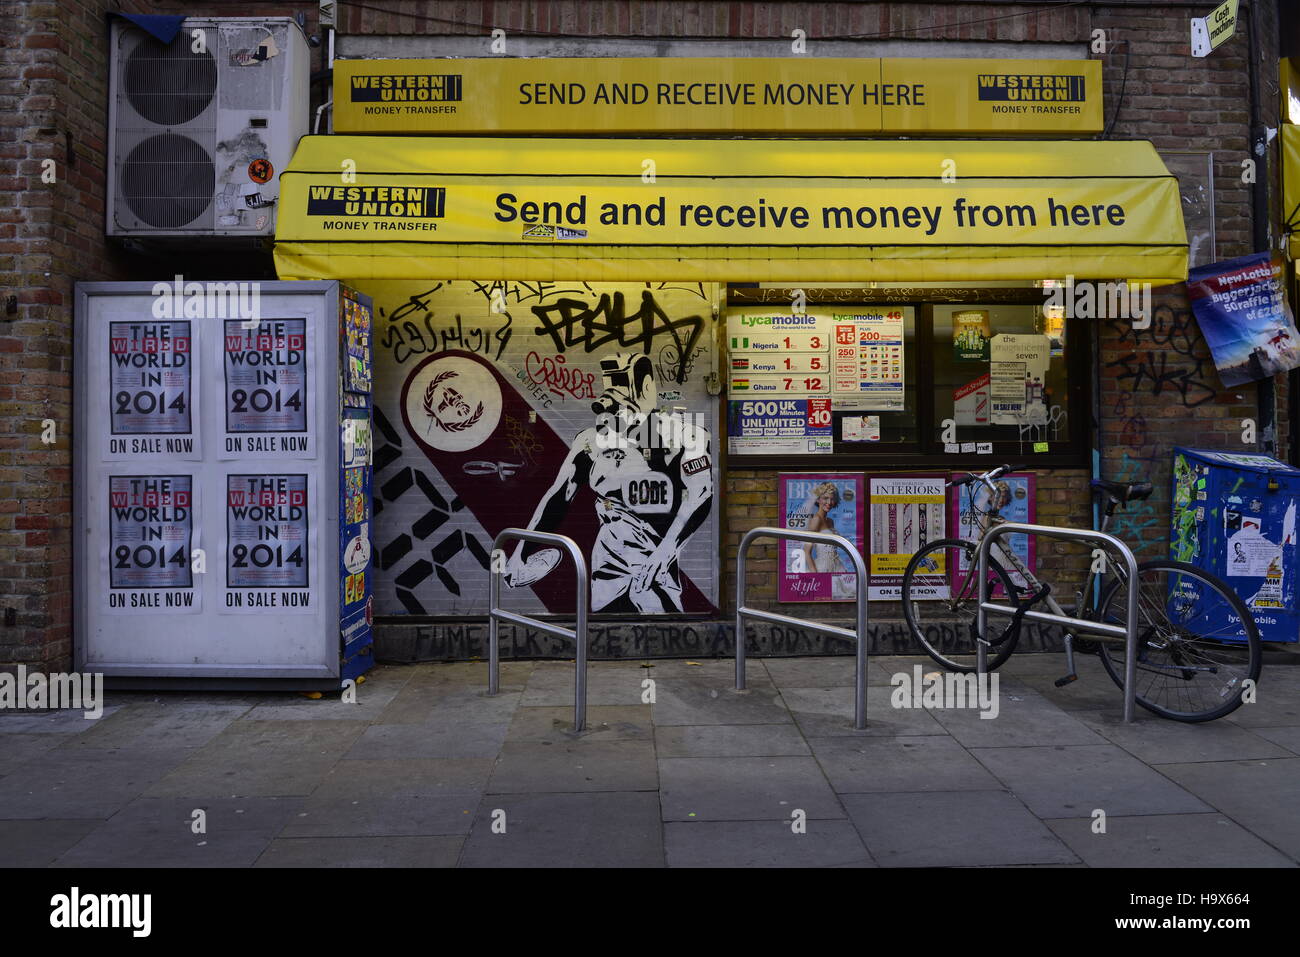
(707,639)
(1138,523)
(486,418)
(1169,356)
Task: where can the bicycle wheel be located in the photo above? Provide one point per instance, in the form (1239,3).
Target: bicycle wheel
(945,626)
(1197,642)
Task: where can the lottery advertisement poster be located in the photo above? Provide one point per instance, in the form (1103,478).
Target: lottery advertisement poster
(268,398)
(905,512)
(151,540)
(819,503)
(152,381)
(1016,493)
(269,543)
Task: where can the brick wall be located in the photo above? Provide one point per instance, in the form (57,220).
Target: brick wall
(52,94)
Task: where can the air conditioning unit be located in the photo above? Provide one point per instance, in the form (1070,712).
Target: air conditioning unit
(200,128)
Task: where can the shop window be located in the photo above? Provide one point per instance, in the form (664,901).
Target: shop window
(967,373)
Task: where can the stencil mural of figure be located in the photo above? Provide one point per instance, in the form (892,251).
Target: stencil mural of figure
(653,478)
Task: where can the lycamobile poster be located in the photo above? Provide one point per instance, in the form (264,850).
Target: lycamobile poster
(1242,313)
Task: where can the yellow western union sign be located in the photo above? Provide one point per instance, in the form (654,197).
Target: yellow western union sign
(541,208)
(786,95)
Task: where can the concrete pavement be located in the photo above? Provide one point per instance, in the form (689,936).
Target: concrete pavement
(424,770)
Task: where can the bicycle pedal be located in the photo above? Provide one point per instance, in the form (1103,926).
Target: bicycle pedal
(1062,682)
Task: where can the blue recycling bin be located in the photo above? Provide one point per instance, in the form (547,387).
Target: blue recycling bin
(1234,515)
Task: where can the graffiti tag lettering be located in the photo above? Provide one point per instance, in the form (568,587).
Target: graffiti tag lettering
(573,322)
(559,378)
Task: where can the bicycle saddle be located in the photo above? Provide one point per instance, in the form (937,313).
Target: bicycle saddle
(1121,492)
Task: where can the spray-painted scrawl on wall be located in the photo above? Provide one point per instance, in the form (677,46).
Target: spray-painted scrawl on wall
(577,409)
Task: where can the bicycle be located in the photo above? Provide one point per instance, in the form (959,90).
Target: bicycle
(1197,642)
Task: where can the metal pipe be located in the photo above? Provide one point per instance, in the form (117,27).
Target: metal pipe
(1076,534)
(517,619)
(1101,628)
(579,634)
(742,612)
(780,619)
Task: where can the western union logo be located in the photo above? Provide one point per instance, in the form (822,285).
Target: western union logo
(1031,88)
(407,88)
(392,202)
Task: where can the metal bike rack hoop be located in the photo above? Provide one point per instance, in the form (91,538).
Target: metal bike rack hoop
(1128,632)
(859,636)
(578,634)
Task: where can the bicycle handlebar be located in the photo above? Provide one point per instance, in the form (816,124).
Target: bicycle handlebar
(988,476)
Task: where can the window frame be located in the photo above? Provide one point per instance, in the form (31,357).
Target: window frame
(926,452)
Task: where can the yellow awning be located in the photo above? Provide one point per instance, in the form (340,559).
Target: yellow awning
(727,210)
(1291,187)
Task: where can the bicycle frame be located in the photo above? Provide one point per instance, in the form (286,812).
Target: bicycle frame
(984,521)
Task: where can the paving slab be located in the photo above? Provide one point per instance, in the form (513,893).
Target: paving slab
(764,844)
(159,832)
(607,829)
(1022,719)
(373,778)
(1258,795)
(63,721)
(84,782)
(1073,781)
(39,843)
(728,740)
(924,763)
(745,789)
(365,701)
(1052,665)
(467,674)
(1160,741)
(1277,705)
(449,705)
(579,765)
(836,672)
(825,712)
(953,828)
(261,759)
(1167,840)
(471,739)
(608,683)
(1095,692)
(604,723)
(716,669)
(384,816)
(300,852)
(182,724)
(716,701)
(17,750)
(1288,738)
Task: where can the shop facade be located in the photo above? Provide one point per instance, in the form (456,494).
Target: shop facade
(843,279)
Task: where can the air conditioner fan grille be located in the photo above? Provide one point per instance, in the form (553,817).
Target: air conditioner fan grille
(168,181)
(169,84)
